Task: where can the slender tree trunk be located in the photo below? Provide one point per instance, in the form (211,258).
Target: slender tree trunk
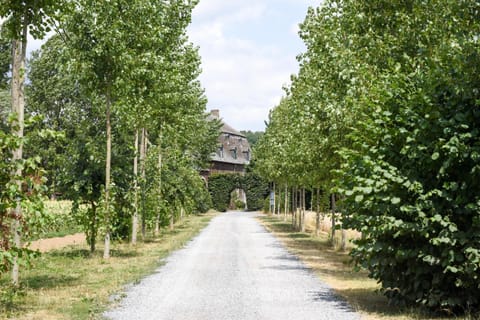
(317,221)
(294,207)
(172,221)
(108,162)
(143,152)
(274,199)
(93,227)
(333,204)
(302,226)
(18,106)
(135,187)
(279,200)
(286,203)
(157,220)
(299,209)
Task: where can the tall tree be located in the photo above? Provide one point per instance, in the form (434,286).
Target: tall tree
(22,16)
(97,39)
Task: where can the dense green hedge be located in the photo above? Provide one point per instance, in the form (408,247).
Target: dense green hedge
(256,190)
(221,185)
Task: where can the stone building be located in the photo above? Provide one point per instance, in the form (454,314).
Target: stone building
(233,150)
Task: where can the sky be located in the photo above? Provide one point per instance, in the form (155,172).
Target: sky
(248,50)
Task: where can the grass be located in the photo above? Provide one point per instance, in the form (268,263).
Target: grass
(334,267)
(73,284)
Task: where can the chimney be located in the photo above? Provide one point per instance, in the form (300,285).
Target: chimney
(215,113)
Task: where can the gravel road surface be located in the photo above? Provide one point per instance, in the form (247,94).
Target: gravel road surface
(234,269)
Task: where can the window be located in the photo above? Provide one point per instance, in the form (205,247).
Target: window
(234,153)
(220,151)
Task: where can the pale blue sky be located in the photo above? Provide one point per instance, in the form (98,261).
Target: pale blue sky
(248,50)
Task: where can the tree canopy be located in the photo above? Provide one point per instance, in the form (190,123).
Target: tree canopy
(384,111)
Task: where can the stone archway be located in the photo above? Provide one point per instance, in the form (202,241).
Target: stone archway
(238,199)
(221,187)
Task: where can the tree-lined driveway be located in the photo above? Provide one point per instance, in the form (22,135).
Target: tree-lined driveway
(234,269)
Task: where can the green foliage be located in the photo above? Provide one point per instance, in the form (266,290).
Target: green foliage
(252,136)
(35,14)
(5,107)
(409,174)
(5,59)
(27,194)
(385,111)
(256,189)
(59,220)
(221,185)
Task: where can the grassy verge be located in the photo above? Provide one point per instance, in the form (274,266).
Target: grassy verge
(72,284)
(334,268)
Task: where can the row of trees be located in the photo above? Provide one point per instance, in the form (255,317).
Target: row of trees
(121,115)
(384,115)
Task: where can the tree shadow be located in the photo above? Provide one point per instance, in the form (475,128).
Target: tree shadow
(332,298)
(72,253)
(299,235)
(117,253)
(44,281)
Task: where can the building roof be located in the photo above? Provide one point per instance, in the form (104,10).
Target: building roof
(215,115)
(233,146)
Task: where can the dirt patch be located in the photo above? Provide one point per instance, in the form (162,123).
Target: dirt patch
(44,245)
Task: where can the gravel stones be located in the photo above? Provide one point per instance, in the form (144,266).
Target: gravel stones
(234,269)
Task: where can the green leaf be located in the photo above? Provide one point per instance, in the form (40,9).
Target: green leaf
(395,200)
(359,198)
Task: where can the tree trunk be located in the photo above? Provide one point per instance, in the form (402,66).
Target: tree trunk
(18,106)
(274,199)
(317,221)
(106,251)
(293,207)
(135,187)
(286,203)
(93,228)
(172,222)
(299,209)
(157,220)
(303,208)
(333,204)
(143,152)
(279,199)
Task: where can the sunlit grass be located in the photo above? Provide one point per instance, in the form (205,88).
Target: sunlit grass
(73,284)
(335,268)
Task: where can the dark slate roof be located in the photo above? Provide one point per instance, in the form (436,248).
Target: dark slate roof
(225,127)
(230,143)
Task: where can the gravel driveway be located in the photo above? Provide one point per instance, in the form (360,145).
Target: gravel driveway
(234,269)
